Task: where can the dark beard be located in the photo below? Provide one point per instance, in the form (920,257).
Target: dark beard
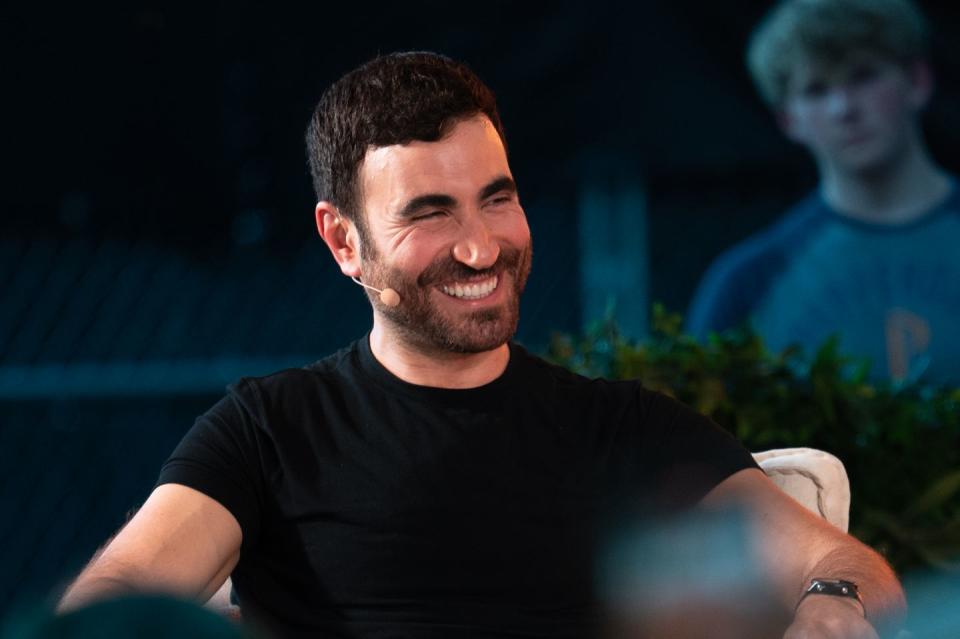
(420,324)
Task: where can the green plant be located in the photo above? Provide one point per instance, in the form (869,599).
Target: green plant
(900,444)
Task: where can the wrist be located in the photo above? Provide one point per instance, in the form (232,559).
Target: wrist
(834,593)
(825,605)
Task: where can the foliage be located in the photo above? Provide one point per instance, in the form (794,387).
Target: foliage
(900,444)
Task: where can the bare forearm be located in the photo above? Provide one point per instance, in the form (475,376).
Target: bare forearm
(104,578)
(91,587)
(98,583)
(180,542)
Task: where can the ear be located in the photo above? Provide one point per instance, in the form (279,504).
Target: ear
(340,237)
(922,82)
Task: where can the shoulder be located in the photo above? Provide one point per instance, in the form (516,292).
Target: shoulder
(773,243)
(740,276)
(289,390)
(951,205)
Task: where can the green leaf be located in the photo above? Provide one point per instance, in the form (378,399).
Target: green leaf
(942,491)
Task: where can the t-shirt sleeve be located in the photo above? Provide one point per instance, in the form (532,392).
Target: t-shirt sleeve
(220,457)
(690,454)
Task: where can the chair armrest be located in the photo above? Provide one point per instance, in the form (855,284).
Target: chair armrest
(815,478)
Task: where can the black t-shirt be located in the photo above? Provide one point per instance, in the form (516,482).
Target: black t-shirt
(371,507)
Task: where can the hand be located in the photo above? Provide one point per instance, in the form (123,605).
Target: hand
(827,617)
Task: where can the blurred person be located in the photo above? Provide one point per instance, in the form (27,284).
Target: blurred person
(433,478)
(871,254)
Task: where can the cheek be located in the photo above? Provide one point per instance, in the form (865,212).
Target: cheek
(808,121)
(889,104)
(886,99)
(515,228)
(416,251)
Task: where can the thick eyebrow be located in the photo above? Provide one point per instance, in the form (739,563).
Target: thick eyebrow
(428,200)
(503,183)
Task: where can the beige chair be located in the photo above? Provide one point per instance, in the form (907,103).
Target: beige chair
(220,601)
(814,478)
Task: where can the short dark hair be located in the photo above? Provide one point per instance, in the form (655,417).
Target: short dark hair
(392,99)
(827,31)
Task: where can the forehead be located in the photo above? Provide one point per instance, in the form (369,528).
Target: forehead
(836,67)
(465,159)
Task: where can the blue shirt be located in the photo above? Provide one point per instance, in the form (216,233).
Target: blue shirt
(891,292)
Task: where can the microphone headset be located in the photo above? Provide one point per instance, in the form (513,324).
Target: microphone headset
(388,296)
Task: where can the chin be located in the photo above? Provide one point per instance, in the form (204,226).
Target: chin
(486,331)
(464,344)
(480,331)
(875,156)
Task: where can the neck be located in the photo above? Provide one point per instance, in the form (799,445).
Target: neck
(896,192)
(434,367)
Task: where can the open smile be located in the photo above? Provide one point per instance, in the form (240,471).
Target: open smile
(472,290)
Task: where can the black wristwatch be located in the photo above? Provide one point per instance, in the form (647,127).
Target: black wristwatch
(836,588)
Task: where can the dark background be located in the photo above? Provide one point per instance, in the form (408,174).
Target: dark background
(157,239)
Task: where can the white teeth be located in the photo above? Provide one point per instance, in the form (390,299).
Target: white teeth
(472,291)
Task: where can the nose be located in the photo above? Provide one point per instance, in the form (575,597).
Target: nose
(476,247)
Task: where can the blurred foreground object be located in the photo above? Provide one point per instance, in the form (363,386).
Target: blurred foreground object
(934,613)
(143,617)
(696,575)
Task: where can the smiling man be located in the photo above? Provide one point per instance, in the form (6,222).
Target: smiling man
(433,479)
(871,254)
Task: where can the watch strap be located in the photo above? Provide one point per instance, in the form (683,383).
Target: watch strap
(835,588)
